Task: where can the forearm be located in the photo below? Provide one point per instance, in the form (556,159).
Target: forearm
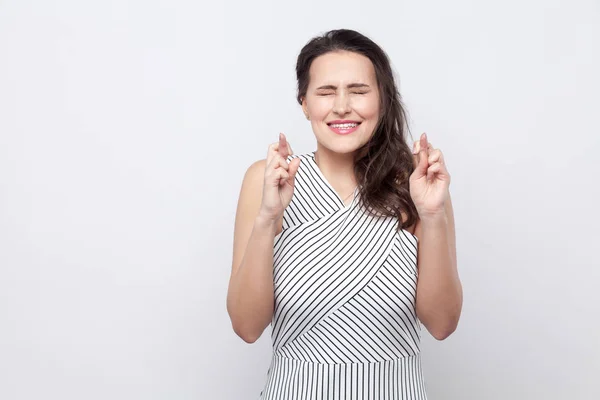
(439,291)
(251,297)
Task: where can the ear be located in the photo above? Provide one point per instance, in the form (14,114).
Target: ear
(305,108)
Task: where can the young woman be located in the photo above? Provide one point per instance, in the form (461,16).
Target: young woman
(345,249)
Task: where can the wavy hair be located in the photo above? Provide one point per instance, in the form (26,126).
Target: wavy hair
(384,164)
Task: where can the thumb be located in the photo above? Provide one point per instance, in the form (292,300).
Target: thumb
(294,165)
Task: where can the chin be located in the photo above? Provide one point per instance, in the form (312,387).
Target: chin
(341,148)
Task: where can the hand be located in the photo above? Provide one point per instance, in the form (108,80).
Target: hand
(430,180)
(279,179)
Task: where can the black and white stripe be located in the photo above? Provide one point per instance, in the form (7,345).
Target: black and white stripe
(344,325)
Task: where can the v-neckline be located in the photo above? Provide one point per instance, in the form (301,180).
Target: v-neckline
(330,186)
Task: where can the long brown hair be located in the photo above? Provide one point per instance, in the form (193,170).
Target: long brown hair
(384,164)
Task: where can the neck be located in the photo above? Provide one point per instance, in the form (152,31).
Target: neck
(338,169)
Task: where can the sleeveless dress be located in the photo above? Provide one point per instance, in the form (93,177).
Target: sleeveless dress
(344,324)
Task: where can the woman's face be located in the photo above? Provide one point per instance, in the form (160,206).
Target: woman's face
(342,100)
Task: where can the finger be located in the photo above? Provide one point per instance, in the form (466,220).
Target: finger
(432,170)
(274,149)
(277,162)
(418,144)
(423,153)
(283,146)
(416,150)
(429,148)
(271,151)
(423,145)
(435,155)
(282,175)
(416,147)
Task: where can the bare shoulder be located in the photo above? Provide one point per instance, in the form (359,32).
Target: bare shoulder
(255,174)
(251,191)
(248,206)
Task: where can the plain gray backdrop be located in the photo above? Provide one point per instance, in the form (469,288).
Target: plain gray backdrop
(126,128)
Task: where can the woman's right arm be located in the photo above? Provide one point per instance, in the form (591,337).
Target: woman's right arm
(250,298)
(267,190)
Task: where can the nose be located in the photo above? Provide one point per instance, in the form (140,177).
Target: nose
(341,105)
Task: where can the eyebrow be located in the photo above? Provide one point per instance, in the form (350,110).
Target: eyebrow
(350,86)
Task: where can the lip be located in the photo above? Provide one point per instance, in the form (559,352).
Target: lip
(343,121)
(341,131)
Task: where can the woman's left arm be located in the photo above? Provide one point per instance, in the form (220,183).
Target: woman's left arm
(439,290)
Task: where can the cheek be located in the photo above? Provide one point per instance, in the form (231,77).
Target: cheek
(368,108)
(320,107)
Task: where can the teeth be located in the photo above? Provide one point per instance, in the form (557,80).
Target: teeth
(344,126)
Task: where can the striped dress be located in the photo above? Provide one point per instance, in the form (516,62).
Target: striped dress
(344,325)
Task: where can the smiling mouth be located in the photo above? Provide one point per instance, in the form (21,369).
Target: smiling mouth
(344,125)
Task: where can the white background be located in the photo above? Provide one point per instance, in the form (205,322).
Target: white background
(125,131)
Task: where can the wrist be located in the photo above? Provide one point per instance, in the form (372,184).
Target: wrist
(433,219)
(265,223)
